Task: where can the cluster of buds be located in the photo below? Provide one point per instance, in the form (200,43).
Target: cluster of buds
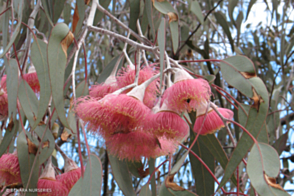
(133,125)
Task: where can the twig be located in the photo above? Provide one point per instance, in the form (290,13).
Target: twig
(118,22)
(105,177)
(131,65)
(199,25)
(31,23)
(89,22)
(122,38)
(141,34)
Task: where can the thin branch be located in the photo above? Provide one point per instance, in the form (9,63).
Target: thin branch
(118,22)
(123,38)
(31,23)
(199,25)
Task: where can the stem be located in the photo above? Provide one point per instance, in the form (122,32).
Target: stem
(105,177)
(122,38)
(16,57)
(155,171)
(202,162)
(199,25)
(31,23)
(118,21)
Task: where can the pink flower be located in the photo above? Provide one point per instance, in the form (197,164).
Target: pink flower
(3,83)
(187,93)
(137,144)
(49,184)
(100,90)
(109,86)
(167,123)
(212,122)
(32,79)
(72,172)
(3,105)
(9,169)
(96,113)
(51,187)
(127,77)
(69,178)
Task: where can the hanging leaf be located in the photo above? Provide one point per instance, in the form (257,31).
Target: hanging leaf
(179,164)
(26,160)
(196,9)
(174,25)
(16,29)
(12,86)
(121,175)
(263,162)
(251,3)
(48,143)
(28,101)
(39,59)
(163,7)
(9,134)
(145,191)
(149,11)
(59,41)
(92,182)
(204,182)
(78,17)
(134,14)
(221,20)
(99,14)
(161,43)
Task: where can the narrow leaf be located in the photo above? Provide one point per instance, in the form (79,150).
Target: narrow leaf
(161,44)
(221,19)
(196,9)
(121,175)
(59,40)
(92,181)
(12,86)
(39,59)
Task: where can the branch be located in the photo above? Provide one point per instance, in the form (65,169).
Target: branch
(119,22)
(199,25)
(31,23)
(122,38)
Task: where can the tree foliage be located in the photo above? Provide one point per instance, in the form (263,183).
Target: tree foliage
(53,52)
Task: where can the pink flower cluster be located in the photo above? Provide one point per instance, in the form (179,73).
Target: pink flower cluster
(130,128)
(56,185)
